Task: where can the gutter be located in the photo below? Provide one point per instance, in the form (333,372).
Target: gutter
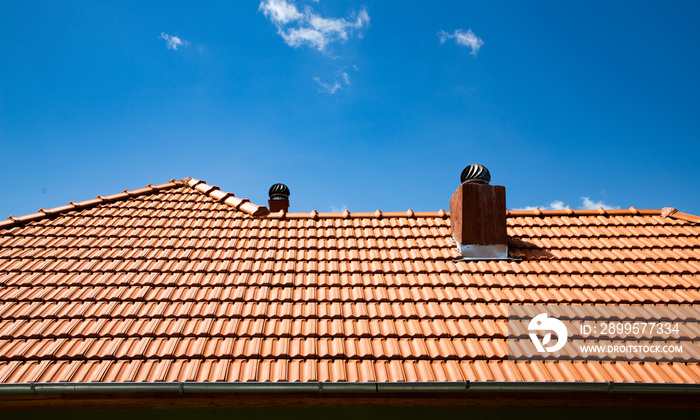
(349,387)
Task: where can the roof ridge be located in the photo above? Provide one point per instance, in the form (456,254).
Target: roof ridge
(228,198)
(43,213)
(378,214)
(244,205)
(632,211)
(597,212)
(666,212)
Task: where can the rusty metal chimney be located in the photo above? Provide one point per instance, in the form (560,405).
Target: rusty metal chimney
(478,216)
(279,198)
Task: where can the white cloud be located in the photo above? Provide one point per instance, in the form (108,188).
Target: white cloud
(279,11)
(335,209)
(328,26)
(297,37)
(586,204)
(554,205)
(309,28)
(332,88)
(467,39)
(589,204)
(173,42)
(328,87)
(362,19)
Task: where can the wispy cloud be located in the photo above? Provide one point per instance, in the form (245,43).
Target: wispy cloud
(329,88)
(333,87)
(335,209)
(467,39)
(554,205)
(586,204)
(308,28)
(173,42)
(589,204)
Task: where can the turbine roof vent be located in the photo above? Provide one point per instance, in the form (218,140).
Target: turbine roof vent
(475,174)
(279,192)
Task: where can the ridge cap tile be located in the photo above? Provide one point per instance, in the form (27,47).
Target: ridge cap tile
(228,198)
(632,211)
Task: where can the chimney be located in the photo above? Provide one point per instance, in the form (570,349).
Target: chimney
(279,198)
(478,216)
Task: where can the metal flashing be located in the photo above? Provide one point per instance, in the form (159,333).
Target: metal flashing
(483,252)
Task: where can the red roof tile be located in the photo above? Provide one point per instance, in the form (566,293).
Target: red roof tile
(184,282)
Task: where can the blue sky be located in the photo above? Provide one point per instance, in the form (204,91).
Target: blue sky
(357,105)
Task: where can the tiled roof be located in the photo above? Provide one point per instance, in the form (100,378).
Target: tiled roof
(183,282)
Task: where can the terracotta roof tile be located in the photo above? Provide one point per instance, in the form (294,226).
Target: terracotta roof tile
(184,282)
